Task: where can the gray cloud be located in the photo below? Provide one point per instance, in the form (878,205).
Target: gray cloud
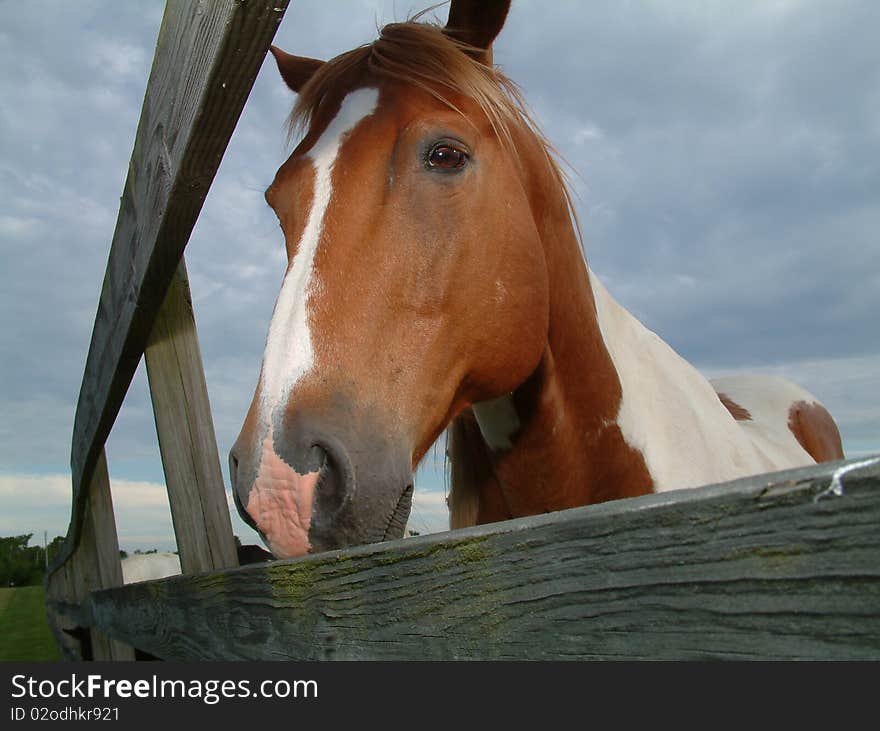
(729,162)
(727,168)
(141,509)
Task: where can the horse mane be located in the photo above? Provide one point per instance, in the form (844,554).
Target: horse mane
(469,468)
(422,55)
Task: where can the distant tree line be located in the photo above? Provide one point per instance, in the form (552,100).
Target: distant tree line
(139,552)
(23,565)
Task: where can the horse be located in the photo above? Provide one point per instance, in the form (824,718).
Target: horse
(436,281)
(148,566)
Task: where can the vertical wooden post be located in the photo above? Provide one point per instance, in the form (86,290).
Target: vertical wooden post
(186,435)
(59,590)
(94,565)
(97,564)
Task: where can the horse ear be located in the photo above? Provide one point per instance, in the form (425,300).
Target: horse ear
(295,70)
(477,23)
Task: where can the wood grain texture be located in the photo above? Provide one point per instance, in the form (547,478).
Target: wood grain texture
(207,58)
(777,566)
(94,565)
(187,442)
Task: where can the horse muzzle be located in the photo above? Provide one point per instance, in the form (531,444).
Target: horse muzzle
(306,488)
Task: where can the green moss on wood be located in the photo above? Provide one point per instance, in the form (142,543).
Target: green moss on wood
(292,584)
(473,550)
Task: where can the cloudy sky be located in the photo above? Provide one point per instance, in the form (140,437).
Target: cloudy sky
(727,160)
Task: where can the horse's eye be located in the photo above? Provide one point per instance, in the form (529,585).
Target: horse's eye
(446,156)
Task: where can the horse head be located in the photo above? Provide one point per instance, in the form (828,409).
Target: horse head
(416,283)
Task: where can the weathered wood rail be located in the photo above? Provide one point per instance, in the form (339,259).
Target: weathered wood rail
(772,567)
(777,566)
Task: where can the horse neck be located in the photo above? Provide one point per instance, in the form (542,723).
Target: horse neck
(564,449)
(581,423)
(569,406)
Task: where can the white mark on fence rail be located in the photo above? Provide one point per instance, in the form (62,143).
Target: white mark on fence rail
(835,489)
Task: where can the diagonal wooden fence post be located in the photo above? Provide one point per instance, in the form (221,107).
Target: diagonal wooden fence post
(186,435)
(207,58)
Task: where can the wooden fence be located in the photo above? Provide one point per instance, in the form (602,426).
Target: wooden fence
(784,565)
(206,61)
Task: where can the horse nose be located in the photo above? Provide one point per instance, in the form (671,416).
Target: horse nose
(299,477)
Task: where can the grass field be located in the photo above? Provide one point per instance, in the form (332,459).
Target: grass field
(24,634)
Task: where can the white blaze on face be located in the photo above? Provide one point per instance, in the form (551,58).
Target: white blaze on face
(289,353)
(280,500)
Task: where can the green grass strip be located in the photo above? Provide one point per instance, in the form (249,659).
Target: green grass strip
(24,633)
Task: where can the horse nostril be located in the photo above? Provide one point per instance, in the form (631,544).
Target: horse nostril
(336,481)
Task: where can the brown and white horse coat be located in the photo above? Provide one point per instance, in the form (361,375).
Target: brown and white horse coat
(435,280)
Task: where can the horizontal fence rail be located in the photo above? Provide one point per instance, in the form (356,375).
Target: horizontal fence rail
(777,566)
